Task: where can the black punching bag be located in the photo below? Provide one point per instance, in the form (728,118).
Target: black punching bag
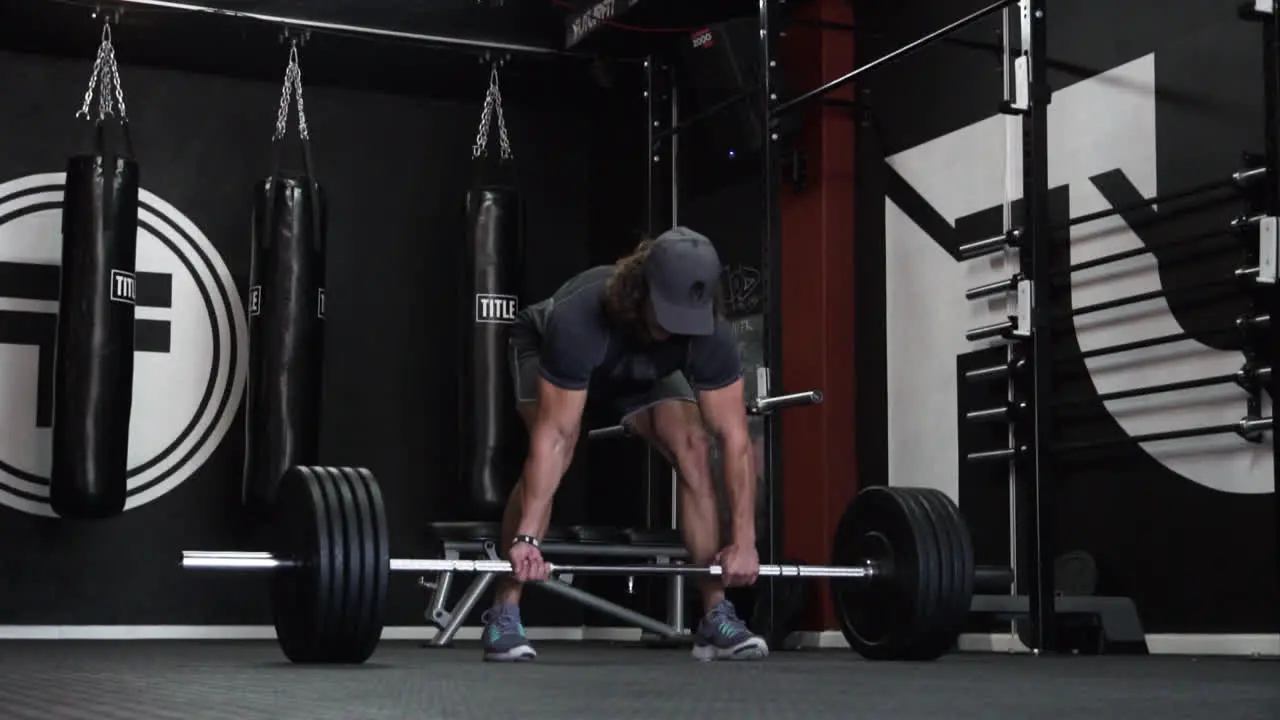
(489,421)
(93,357)
(286,334)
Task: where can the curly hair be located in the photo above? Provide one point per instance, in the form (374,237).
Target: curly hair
(626,294)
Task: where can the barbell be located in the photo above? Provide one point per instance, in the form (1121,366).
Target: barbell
(902,583)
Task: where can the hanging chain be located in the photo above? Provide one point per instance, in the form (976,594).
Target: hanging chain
(292,87)
(106,72)
(492,104)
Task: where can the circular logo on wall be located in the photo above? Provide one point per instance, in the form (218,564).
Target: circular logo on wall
(191,348)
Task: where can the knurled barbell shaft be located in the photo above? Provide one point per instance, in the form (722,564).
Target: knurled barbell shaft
(249,561)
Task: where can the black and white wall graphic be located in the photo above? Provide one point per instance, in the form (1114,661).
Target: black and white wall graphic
(190,338)
(1127,121)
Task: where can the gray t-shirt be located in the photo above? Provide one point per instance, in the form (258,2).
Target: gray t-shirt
(577,343)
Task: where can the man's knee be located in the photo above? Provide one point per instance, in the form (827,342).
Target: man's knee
(681,431)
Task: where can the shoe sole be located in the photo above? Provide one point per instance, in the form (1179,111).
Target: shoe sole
(524,653)
(753,649)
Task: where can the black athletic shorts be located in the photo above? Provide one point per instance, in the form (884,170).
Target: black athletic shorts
(607,403)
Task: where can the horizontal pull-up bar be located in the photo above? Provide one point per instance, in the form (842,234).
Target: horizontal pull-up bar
(895,55)
(321,26)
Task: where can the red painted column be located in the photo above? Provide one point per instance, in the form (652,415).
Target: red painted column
(819,471)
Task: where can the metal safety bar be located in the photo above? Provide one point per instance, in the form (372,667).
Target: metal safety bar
(702,116)
(759,406)
(1239,377)
(1217,283)
(1148,343)
(1240,178)
(1140,251)
(322,26)
(1244,427)
(901,52)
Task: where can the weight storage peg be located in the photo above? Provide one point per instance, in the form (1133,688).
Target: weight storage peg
(902,586)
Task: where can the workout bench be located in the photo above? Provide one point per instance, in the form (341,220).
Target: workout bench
(478,540)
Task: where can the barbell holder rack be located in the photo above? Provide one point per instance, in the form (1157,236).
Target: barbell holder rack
(263,561)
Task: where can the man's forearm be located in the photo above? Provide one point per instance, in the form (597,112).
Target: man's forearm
(740,486)
(542,472)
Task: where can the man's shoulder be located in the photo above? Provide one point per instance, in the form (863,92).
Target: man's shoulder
(577,307)
(589,281)
(582,293)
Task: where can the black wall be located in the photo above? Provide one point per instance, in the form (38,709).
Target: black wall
(396,169)
(1146,523)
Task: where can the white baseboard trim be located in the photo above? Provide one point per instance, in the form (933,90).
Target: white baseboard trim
(1159,644)
(1249,644)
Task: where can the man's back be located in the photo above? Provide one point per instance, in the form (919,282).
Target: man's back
(580,296)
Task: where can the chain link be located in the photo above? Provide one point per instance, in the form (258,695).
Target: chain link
(107,72)
(292,87)
(492,104)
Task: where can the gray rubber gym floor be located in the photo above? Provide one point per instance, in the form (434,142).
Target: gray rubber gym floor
(248,681)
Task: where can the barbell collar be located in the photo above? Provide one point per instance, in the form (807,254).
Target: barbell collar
(988,414)
(1252,425)
(987,332)
(1245,221)
(987,373)
(1244,178)
(767,405)
(989,246)
(1001,454)
(999,287)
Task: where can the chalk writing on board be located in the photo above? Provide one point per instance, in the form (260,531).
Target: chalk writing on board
(742,289)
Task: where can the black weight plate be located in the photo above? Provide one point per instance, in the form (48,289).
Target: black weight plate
(346,621)
(954,579)
(933,641)
(331,645)
(362,549)
(300,604)
(378,573)
(928,574)
(879,617)
(965,569)
(958,572)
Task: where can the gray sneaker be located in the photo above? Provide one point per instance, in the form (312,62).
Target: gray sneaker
(723,636)
(503,636)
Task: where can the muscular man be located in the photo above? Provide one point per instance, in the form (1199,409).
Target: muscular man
(644,337)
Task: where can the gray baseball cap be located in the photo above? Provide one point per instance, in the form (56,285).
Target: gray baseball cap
(682,270)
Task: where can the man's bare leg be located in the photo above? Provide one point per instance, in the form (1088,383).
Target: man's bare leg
(675,429)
